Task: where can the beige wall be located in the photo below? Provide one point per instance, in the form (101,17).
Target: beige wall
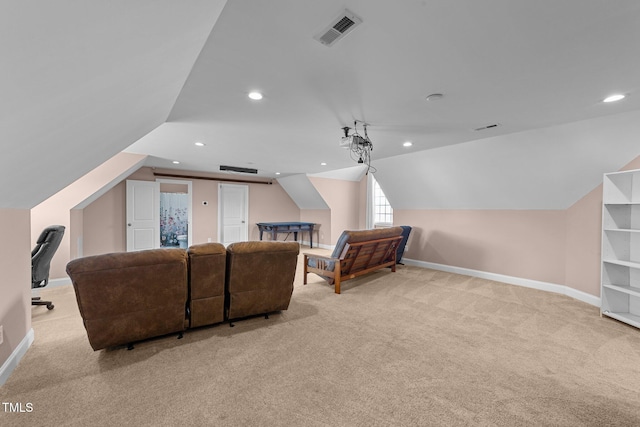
(100,226)
(584,240)
(270,203)
(347,199)
(561,247)
(103,223)
(76,222)
(205,218)
(104,219)
(527,244)
(15,281)
(344,199)
(56,210)
(322,230)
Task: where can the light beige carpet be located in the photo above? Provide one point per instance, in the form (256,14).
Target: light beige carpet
(413,348)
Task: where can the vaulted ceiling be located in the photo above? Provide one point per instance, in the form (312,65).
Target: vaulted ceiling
(83,82)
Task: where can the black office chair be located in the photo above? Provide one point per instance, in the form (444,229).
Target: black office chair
(41,256)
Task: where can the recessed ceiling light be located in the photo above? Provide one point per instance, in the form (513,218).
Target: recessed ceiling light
(200,144)
(323,164)
(255,96)
(277,173)
(175,162)
(407,144)
(613,98)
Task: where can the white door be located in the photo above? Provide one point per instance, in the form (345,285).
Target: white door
(233,203)
(143,215)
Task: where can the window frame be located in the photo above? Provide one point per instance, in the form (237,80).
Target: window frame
(378,202)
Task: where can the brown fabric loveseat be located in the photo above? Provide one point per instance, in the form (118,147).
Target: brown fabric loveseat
(131,296)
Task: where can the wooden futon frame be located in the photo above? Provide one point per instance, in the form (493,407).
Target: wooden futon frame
(356,259)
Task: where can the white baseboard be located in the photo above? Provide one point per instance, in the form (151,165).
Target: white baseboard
(528,283)
(53,283)
(317,245)
(17,355)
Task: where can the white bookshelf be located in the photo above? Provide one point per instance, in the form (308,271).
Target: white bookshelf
(620,290)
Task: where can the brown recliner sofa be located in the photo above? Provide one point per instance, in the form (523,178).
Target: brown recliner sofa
(132,296)
(260,277)
(207,263)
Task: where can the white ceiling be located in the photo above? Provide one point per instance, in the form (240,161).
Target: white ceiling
(550,168)
(81,81)
(521,64)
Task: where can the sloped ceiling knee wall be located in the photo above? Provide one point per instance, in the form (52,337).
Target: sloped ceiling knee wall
(548,168)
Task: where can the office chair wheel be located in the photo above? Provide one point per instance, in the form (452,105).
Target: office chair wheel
(50,306)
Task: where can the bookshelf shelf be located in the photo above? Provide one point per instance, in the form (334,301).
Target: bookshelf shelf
(620,266)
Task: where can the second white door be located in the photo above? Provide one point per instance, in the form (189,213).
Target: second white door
(143,219)
(233,201)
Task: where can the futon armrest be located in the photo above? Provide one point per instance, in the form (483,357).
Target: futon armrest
(320,263)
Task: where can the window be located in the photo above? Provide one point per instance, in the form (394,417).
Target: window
(382,212)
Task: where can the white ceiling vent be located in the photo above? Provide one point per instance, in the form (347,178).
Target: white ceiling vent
(340,27)
(488,127)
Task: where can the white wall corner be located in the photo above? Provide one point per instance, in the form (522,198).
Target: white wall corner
(12,362)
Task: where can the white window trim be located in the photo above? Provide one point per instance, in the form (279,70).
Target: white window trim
(370,217)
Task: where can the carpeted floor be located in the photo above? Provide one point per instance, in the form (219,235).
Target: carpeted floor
(413,348)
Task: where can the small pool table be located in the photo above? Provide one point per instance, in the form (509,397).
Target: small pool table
(287,227)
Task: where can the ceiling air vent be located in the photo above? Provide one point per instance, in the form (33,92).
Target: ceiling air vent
(237,169)
(488,127)
(340,27)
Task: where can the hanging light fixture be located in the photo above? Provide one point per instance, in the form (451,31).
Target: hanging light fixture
(360,147)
